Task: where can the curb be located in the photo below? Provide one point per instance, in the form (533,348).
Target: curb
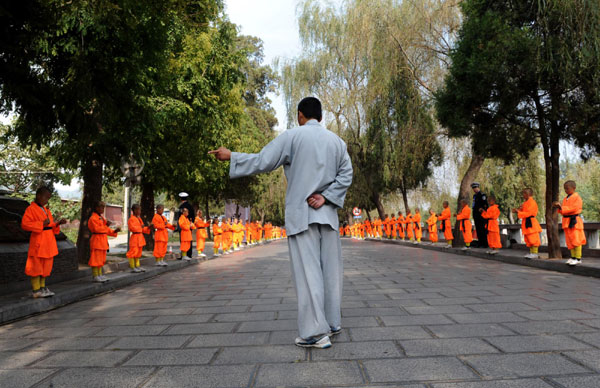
(550,265)
(78,289)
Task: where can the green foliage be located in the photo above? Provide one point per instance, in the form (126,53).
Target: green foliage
(68,209)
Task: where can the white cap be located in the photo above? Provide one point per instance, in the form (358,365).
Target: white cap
(183,195)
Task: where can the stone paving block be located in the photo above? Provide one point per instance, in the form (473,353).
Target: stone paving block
(396,303)
(451,301)
(97,358)
(549,327)
(243,317)
(590,338)
(76,343)
(172,357)
(275,307)
(417,369)
(287,337)
(100,377)
(446,347)
(255,302)
(522,365)
(306,374)
(18,343)
(202,376)
(589,358)
(119,321)
(358,351)
(387,333)
(201,328)
(261,354)
(288,314)
(437,310)
(286,324)
(595,323)
(124,331)
(537,343)
(408,320)
(486,318)
(499,307)
(220,310)
(578,381)
(17,378)
(15,360)
(520,383)
(171,311)
(370,312)
(208,303)
(234,339)
(555,315)
(469,330)
(175,319)
(155,342)
(417,295)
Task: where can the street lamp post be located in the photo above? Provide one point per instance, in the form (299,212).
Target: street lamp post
(131,170)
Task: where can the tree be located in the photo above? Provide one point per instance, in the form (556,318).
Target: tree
(526,73)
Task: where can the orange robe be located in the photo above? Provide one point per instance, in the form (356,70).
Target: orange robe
(465,224)
(136,240)
(161,235)
(186,227)
(387,227)
(432,228)
(493,229)
(417,222)
(572,224)
(409,226)
(218,236)
(201,234)
(42,241)
(227,236)
(238,233)
(529,224)
(401,227)
(446,224)
(378,231)
(99,240)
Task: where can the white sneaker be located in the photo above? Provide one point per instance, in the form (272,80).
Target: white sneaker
(104,278)
(571,261)
(46,292)
(493,252)
(98,279)
(527,256)
(164,263)
(37,294)
(158,264)
(186,258)
(202,255)
(464,248)
(136,270)
(534,256)
(314,342)
(142,269)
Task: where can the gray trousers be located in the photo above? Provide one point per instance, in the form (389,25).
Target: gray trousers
(317,269)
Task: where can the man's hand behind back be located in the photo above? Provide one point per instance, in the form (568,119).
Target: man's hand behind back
(316,201)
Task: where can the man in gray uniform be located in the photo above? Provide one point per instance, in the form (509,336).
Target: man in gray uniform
(318,171)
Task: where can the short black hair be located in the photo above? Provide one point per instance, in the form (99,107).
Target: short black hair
(43,190)
(311,108)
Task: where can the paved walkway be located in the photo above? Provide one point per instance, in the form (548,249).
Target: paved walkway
(412,317)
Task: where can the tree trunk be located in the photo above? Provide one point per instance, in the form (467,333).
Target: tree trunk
(147,204)
(551,161)
(404,197)
(368,215)
(464,193)
(376,199)
(92,191)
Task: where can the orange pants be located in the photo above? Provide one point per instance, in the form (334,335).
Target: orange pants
(134,252)
(185,246)
(532,240)
(418,233)
(39,266)
(410,232)
(448,234)
(574,237)
(200,243)
(433,237)
(97,258)
(218,240)
(160,249)
(467,235)
(494,241)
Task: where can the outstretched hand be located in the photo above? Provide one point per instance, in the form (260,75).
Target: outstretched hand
(221,154)
(316,201)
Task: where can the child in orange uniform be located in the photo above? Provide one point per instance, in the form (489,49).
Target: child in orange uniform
(401,226)
(186,227)
(464,217)
(529,224)
(432,227)
(445,223)
(201,234)
(387,227)
(227,236)
(410,227)
(217,235)
(136,240)
(572,224)
(161,235)
(493,229)
(417,224)
(38,220)
(99,227)
(238,234)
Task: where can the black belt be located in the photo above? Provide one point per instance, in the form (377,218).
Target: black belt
(99,233)
(47,228)
(417,226)
(136,232)
(528,223)
(463,225)
(443,226)
(573,220)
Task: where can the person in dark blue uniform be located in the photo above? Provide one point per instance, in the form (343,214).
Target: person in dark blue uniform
(185,205)
(479,202)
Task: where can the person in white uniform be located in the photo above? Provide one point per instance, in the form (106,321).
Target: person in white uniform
(318,171)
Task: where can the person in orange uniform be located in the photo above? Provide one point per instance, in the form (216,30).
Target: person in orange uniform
(347,231)
(99,227)
(38,220)
(238,234)
(161,235)
(185,227)
(417,223)
(283,233)
(378,227)
(217,235)
(464,217)
(571,208)
(368,227)
(493,228)
(432,227)
(387,227)
(446,224)
(530,226)
(201,233)
(227,235)
(136,240)
(401,226)
(410,227)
